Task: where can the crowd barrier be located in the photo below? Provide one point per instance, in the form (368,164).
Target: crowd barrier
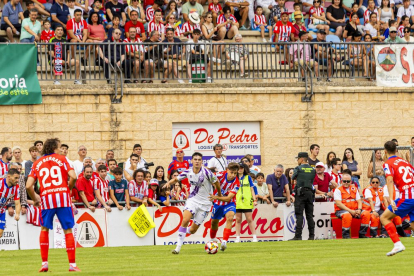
(103,229)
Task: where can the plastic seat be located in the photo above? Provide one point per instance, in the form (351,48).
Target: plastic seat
(257,29)
(336,41)
(306,25)
(361,21)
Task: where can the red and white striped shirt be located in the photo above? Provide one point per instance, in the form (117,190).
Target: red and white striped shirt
(177,31)
(102,186)
(4,168)
(401,31)
(336,177)
(135,47)
(152,26)
(221,19)
(52,173)
(149,13)
(182,196)
(138,191)
(215,8)
(33,215)
(77,28)
(187,27)
(283,31)
(368,13)
(315,11)
(7,193)
(261,19)
(227,187)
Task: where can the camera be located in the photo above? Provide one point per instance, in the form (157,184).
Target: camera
(147,165)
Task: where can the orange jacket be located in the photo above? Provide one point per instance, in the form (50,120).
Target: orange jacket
(348,199)
(365,202)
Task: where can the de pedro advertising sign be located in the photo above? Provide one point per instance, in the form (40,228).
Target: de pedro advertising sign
(237,139)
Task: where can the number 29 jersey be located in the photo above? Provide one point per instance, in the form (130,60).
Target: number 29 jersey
(403,176)
(52,173)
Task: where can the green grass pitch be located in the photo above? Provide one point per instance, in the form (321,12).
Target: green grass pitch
(327,257)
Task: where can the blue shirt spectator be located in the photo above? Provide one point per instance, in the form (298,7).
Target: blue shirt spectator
(119,188)
(278,184)
(12,12)
(60,14)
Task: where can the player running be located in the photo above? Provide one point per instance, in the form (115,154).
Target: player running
(198,204)
(399,172)
(52,171)
(225,206)
(9,188)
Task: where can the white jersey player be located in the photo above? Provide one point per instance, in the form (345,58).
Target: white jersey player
(198,205)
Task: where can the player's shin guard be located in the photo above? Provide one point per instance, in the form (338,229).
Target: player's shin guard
(392,232)
(70,248)
(226,234)
(213,233)
(44,245)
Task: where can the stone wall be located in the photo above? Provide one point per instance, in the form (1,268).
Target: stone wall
(335,119)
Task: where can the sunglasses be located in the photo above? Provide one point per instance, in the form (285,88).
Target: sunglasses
(346,181)
(374,182)
(180,150)
(406,32)
(393,32)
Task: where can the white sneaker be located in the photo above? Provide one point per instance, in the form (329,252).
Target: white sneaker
(176,251)
(237,240)
(218,61)
(208,80)
(255,240)
(264,40)
(56,82)
(223,246)
(77,82)
(180,81)
(395,250)
(213,59)
(190,81)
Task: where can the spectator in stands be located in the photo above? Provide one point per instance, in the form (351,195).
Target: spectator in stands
(160,176)
(379,172)
(323,54)
(317,19)
(78,164)
(406,10)
(405,22)
(115,25)
(172,10)
(29,6)
(58,44)
(276,183)
(96,31)
(77,30)
(88,162)
(283,33)
(101,190)
(385,14)
(109,155)
(323,183)
(60,14)
(218,163)
(134,52)
(114,8)
(135,23)
(47,32)
(29,163)
(393,37)
(301,54)
(298,26)
(349,162)
(154,57)
(351,27)
(329,165)
(216,10)
(12,12)
(177,33)
(373,28)
(288,174)
(276,12)
(191,25)
(17,156)
(369,58)
(262,189)
(240,10)
(195,53)
(97,7)
(179,165)
(260,23)
(118,190)
(39,146)
(157,25)
(137,149)
(355,54)
(138,189)
(336,16)
(368,12)
(152,193)
(267,6)
(43,6)
(173,53)
(6,157)
(99,162)
(149,13)
(190,7)
(128,172)
(348,205)
(72,8)
(115,51)
(112,164)
(179,193)
(229,26)
(135,5)
(85,188)
(336,174)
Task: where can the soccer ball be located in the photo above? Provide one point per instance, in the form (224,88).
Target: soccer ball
(211,247)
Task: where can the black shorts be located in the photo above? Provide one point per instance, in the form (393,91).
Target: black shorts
(237,15)
(17,26)
(244,210)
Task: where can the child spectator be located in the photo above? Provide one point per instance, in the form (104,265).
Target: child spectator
(97,7)
(297,8)
(148,177)
(262,189)
(391,23)
(152,193)
(216,9)
(179,193)
(260,23)
(115,25)
(172,10)
(30,5)
(47,33)
(72,8)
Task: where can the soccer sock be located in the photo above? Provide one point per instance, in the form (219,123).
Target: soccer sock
(44,245)
(188,230)
(213,233)
(392,232)
(226,234)
(182,231)
(70,248)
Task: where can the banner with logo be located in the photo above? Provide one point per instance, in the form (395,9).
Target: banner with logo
(10,238)
(90,229)
(237,139)
(395,65)
(269,226)
(18,75)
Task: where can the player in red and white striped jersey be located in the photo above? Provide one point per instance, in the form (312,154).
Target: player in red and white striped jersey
(9,189)
(77,31)
(225,205)
(156,25)
(261,24)
(101,190)
(6,157)
(53,171)
(138,189)
(188,28)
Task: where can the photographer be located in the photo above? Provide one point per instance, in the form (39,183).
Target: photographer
(305,194)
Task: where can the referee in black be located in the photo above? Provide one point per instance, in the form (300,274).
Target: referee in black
(305,194)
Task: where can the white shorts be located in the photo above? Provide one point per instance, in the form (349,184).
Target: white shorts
(199,211)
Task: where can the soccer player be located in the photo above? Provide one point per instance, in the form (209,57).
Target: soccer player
(53,170)
(100,186)
(398,172)
(9,188)
(225,205)
(198,205)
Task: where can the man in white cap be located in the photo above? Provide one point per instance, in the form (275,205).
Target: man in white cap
(192,24)
(394,38)
(190,7)
(323,183)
